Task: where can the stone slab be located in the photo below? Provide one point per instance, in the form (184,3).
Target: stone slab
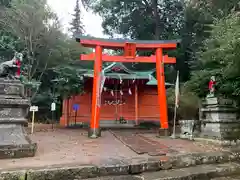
(12,134)
(141,144)
(13,175)
(221,131)
(115,167)
(222,117)
(18,152)
(14,142)
(89,172)
(211,101)
(198,173)
(15,112)
(227,178)
(64,173)
(11,89)
(122,177)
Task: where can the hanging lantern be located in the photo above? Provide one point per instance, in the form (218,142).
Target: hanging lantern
(120,79)
(112,93)
(129,91)
(121,92)
(134,79)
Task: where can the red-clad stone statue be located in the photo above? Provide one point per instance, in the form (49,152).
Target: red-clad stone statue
(211,86)
(18,64)
(12,68)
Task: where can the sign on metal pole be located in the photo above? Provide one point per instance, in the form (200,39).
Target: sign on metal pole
(75,107)
(33,109)
(53,106)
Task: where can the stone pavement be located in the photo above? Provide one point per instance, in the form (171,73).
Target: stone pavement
(71,146)
(65,151)
(146,142)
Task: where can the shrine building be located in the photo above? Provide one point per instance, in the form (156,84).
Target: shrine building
(128,97)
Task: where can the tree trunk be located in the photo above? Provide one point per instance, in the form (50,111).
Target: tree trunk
(156,19)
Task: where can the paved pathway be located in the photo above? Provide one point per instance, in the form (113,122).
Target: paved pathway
(71,146)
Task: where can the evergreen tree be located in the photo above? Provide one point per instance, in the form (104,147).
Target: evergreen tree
(5,3)
(76,24)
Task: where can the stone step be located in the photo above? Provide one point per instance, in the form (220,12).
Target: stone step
(227,178)
(222,164)
(201,172)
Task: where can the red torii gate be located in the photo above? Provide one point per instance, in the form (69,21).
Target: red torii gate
(129,47)
(142,59)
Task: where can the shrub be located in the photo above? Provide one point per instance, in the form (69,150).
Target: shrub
(188,104)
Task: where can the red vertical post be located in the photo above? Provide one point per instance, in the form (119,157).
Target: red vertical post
(136,104)
(94,130)
(161,89)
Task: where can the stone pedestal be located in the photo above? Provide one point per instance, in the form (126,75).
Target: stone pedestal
(186,129)
(94,133)
(219,120)
(14,142)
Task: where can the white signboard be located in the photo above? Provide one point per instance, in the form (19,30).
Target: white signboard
(34,108)
(53,106)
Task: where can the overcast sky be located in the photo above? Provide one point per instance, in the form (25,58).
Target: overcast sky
(64,9)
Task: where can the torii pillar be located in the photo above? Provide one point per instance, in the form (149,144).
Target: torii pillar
(129,47)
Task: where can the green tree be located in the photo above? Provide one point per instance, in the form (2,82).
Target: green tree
(8,43)
(199,16)
(29,26)
(220,57)
(143,20)
(76,24)
(5,3)
(37,28)
(148,19)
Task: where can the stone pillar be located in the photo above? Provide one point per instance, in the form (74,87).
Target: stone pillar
(14,142)
(219,120)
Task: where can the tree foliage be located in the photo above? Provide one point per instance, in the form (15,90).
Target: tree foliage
(31,27)
(189,21)
(209,33)
(142,20)
(36,27)
(5,3)
(136,19)
(208,29)
(77,26)
(220,57)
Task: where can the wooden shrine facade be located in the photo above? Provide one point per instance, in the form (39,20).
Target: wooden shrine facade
(128,98)
(130,48)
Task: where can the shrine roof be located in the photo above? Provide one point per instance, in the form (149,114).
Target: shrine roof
(89,41)
(124,73)
(127,67)
(118,40)
(119,70)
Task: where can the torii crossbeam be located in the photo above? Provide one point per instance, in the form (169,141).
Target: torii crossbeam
(130,47)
